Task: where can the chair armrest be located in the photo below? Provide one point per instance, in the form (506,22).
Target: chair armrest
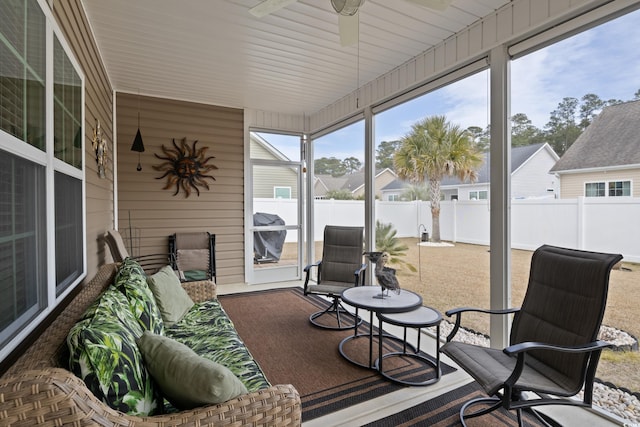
(359,275)
(58,396)
(480,310)
(515,349)
(307,270)
(521,349)
(308,267)
(458,313)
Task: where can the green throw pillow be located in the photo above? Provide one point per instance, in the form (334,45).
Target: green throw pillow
(173,301)
(132,282)
(103,352)
(186,379)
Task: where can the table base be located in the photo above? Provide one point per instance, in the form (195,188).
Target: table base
(428,362)
(372,363)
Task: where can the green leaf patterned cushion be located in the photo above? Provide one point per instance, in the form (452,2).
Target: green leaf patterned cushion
(103,352)
(207,330)
(186,379)
(173,301)
(132,282)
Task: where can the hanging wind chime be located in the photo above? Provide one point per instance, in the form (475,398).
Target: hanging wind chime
(137,141)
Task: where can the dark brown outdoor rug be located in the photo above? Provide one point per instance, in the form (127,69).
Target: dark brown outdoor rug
(275,327)
(444,411)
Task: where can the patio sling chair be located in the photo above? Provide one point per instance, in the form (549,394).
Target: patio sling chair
(150,263)
(553,350)
(194,255)
(341,267)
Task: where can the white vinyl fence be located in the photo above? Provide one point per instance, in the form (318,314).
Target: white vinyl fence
(606,225)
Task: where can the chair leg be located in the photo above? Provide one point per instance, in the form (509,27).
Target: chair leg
(493,401)
(343,318)
(497,403)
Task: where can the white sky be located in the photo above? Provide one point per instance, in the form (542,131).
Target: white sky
(604,60)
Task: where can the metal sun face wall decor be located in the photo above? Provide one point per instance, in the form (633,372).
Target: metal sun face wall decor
(185,167)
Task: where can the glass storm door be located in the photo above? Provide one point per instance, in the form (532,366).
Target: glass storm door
(275,231)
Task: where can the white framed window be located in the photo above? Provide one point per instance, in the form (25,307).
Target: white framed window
(393,197)
(281,192)
(594,189)
(41,167)
(478,195)
(608,189)
(619,188)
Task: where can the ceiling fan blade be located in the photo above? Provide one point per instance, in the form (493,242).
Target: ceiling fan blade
(433,4)
(267,7)
(349,29)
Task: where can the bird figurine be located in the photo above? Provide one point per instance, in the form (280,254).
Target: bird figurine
(386,276)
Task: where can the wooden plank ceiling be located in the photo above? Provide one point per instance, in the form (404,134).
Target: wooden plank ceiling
(216,52)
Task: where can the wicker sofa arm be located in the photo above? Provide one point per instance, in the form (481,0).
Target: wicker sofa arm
(199,291)
(55,396)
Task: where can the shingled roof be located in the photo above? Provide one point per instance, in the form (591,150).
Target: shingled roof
(519,155)
(350,182)
(612,139)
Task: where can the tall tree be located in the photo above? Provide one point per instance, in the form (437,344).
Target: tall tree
(329,166)
(590,108)
(384,154)
(523,132)
(562,129)
(480,137)
(351,164)
(432,150)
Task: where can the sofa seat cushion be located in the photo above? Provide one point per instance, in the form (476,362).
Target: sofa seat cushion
(208,331)
(131,280)
(186,379)
(103,352)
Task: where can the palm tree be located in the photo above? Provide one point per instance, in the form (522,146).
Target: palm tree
(386,241)
(432,150)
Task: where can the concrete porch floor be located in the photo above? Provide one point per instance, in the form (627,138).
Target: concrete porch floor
(408,397)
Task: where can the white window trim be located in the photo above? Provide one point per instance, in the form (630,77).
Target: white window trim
(606,188)
(18,147)
(275,192)
(477,194)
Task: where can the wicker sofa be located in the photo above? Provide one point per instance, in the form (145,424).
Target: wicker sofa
(38,389)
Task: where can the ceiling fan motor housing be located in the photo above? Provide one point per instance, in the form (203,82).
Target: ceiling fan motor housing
(347,7)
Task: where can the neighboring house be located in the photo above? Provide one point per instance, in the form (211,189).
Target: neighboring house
(353,182)
(530,177)
(271,182)
(605,159)
(393,191)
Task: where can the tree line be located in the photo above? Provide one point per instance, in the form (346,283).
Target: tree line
(570,118)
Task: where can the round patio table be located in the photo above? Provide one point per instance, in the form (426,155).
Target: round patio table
(372,299)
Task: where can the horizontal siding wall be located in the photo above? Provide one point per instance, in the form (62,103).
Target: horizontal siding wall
(157,213)
(514,22)
(72,20)
(572,185)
